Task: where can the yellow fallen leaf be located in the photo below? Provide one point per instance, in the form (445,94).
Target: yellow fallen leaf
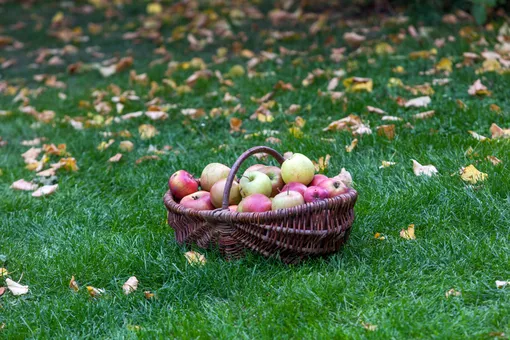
(126,146)
(95,292)
(495,108)
(195,258)
(263,118)
(235,124)
(68,164)
(427,170)
(147,131)
(369,326)
(409,233)
(73,284)
(386,130)
(477,136)
(322,163)
(395,82)
(351,146)
(489,65)
(130,285)
(45,190)
(299,122)
(386,164)
(444,64)
(15,287)
(398,69)
(105,145)
(378,236)
(157,115)
(384,48)
(358,84)
(452,292)
(472,175)
(296,132)
(3,272)
(154,8)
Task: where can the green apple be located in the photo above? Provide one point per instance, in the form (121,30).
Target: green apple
(255,182)
(274,174)
(287,199)
(298,168)
(212,173)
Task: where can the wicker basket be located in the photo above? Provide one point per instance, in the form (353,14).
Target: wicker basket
(311,229)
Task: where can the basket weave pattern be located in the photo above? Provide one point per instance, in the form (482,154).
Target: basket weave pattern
(312,229)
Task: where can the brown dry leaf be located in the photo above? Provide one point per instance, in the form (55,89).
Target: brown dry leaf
(126,146)
(95,292)
(235,124)
(386,130)
(424,115)
(293,109)
(16,288)
(418,102)
(52,149)
(351,146)
(157,115)
(358,84)
(498,132)
(369,326)
(353,39)
(68,164)
(147,131)
(73,284)
(422,54)
(195,258)
(408,233)
(45,190)
(24,185)
(375,110)
(147,158)
(478,136)
(426,170)
(452,292)
(478,89)
(105,145)
(494,160)
(115,159)
(322,164)
(148,294)
(471,174)
(378,236)
(386,164)
(130,285)
(31,155)
(495,108)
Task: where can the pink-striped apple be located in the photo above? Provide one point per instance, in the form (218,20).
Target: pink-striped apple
(317,179)
(315,193)
(298,168)
(274,174)
(295,186)
(255,182)
(333,186)
(232,208)
(255,203)
(200,200)
(181,184)
(217,193)
(212,173)
(287,199)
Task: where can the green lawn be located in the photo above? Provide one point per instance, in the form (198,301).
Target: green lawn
(106,222)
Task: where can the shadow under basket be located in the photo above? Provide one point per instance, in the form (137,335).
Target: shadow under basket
(311,229)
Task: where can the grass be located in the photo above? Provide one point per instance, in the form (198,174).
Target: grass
(106,222)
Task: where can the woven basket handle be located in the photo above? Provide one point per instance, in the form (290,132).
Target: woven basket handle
(237,165)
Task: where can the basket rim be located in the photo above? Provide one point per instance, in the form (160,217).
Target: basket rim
(225,215)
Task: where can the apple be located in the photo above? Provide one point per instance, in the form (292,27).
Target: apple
(315,193)
(255,167)
(295,186)
(232,208)
(255,203)
(345,177)
(181,184)
(217,193)
(317,179)
(298,168)
(255,182)
(212,173)
(333,186)
(287,199)
(274,174)
(200,200)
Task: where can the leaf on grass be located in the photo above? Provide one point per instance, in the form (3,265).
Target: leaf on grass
(126,146)
(115,159)
(148,294)
(498,132)
(130,285)
(235,124)
(391,118)
(73,284)
(472,175)
(147,131)
(322,163)
(157,115)
(418,102)
(477,136)
(502,284)
(195,258)
(494,160)
(408,233)
(351,146)
(24,185)
(353,39)
(3,272)
(375,110)
(444,64)
(358,84)
(105,145)
(386,130)
(333,83)
(378,236)
(424,115)
(2,292)
(95,292)
(369,326)
(426,170)
(15,287)
(386,164)
(452,292)
(31,155)
(45,190)
(478,89)
(296,132)
(147,158)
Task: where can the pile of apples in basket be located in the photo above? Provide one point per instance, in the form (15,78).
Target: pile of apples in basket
(261,188)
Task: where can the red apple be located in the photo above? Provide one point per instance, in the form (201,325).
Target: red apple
(287,199)
(200,200)
(274,174)
(315,193)
(317,179)
(295,186)
(181,184)
(255,167)
(255,203)
(217,193)
(333,186)
(212,173)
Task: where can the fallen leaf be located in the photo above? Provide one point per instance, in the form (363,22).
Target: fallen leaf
(378,236)
(369,326)
(15,287)
(31,155)
(498,132)
(409,233)
(296,132)
(322,163)
(73,284)
(45,190)
(424,115)
(386,130)
(358,84)
(333,83)
(495,108)
(147,131)
(2,292)
(24,185)
(375,110)
(477,136)
(157,115)
(351,146)
(478,89)
(444,64)
(391,118)
(452,292)
(494,160)
(502,284)
(235,124)
(195,258)
(386,164)
(130,285)
(148,294)
(472,175)
(418,102)
(126,146)
(105,145)
(353,39)
(427,170)
(147,158)
(3,272)
(95,292)
(115,159)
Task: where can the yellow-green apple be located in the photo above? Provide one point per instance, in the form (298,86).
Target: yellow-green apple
(317,179)
(218,189)
(287,199)
(274,174)
(232,208)
(298,168)
(295,186)
(181,184)
(315,193)
(345,177)
(255,182)
(200,200)
(255,203)
(333,186)
(212,173)
(254,167)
